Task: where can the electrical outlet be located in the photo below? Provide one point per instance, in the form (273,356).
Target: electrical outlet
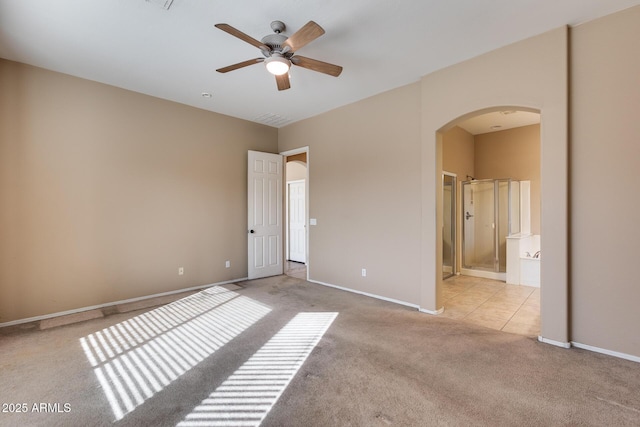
(180,271)
(364,272)
(227,264)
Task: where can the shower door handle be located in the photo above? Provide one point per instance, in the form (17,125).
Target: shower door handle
(468,215)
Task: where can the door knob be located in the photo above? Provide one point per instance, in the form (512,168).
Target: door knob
(468,215)
(251,231)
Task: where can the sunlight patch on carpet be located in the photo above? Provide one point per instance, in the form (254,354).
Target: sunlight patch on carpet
(247,396)
(139,357)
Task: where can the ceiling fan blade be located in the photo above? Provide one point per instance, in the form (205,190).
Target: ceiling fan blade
(315,65)
(303,36)
(240,65)
(283,81)
(242,36)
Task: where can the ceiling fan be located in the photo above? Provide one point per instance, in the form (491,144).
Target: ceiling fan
(279,51)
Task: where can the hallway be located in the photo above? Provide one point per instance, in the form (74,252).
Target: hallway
(295,269)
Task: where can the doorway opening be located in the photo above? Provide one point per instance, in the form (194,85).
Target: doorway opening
(496,156)
(296,209)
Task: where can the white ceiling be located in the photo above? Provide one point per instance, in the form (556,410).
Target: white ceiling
(498,121)
(173,54)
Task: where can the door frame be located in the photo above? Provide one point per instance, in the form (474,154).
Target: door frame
(454,221)
(306,200)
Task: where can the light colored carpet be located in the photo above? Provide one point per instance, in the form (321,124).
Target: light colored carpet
(377,364)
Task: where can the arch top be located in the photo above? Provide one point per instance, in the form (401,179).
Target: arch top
(469,115)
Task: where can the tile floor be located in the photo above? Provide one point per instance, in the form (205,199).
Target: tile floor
(493,304)
(486,302)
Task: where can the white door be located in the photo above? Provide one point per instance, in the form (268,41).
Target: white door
(265,214)
(297,218)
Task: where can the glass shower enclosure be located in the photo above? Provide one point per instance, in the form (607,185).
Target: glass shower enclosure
(491,212)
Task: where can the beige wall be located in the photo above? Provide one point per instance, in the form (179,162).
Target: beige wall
(512,153)
(603,298)
(537,80)
(605,171)
(99,203)
(104,193)
(458,156)
(458,153)
(364,189)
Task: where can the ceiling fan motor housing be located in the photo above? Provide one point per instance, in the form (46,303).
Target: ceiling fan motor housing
(274,41)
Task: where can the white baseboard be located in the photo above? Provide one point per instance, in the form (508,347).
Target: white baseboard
(432,312)
(554,342)
(605,351)
(367,294)
(110,304)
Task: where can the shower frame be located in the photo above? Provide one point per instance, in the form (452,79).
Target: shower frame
(513,226)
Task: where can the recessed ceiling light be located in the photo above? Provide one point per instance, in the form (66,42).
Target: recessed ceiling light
(495,127)
(506,112)
(206,95)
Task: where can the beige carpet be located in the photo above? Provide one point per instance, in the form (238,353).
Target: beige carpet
(246,355)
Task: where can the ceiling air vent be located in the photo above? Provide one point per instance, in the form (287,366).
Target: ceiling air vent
(165,4)
(271,119)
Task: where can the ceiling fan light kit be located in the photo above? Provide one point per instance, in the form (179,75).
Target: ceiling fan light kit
(277,64)
(279,51)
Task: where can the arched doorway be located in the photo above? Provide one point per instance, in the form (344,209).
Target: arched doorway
(497,220)
(531,74)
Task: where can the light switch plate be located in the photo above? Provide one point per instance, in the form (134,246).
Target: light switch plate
(313,221)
